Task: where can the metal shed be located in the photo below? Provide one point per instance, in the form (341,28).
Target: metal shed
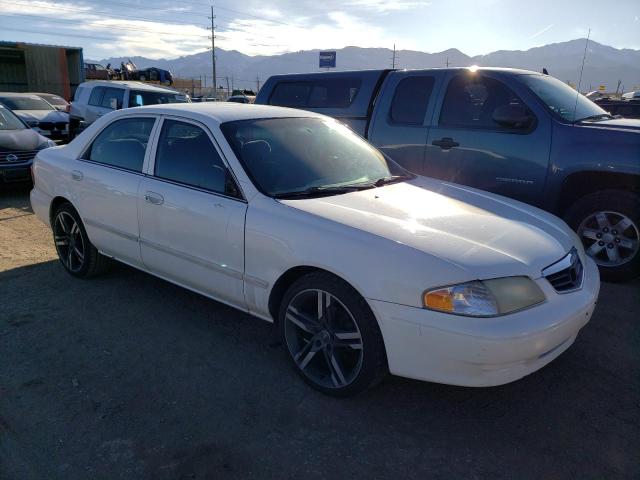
(27,67)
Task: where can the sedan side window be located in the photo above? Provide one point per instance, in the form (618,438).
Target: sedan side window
(475,101)
(186,155)
(122,144)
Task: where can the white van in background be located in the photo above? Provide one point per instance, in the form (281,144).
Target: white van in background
(96,98)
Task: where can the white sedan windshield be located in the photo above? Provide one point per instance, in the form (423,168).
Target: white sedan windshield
(290,155)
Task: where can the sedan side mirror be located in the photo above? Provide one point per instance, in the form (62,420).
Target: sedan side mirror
(512,116)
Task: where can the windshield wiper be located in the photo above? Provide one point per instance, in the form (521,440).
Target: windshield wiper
(600,116)
(315,191)
(391,179)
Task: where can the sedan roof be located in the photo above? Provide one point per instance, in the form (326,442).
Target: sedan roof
(222,112)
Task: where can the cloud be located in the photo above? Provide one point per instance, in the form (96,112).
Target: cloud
(124,37)
(540,32)
(384,6)
(336,30)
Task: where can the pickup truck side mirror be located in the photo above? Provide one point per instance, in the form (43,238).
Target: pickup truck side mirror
(512,116)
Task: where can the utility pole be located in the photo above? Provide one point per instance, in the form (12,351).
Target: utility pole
(447,62)
(393,59)
(213,51)
(257,84)
(228,91)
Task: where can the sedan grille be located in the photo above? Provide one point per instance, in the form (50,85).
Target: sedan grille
(566,274)
(9,156)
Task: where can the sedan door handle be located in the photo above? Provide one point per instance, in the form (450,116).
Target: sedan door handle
(154,198)
(77,175)
(445,143)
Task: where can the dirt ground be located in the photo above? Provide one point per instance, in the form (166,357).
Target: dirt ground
(127,376)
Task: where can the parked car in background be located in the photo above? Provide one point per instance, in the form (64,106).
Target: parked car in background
(95,71)
(517,133)
(37,114)
(289,215)
(96,98)
(19,144)
(623,108)
(241,99)
(631,95)
(56,101)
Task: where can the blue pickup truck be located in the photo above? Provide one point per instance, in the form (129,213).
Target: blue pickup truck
(517,133)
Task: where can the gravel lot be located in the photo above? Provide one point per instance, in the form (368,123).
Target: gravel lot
(127,376)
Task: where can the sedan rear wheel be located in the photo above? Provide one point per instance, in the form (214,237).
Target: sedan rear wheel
(331,335)
(75,251)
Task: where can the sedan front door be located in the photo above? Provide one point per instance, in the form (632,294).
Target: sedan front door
(192,214)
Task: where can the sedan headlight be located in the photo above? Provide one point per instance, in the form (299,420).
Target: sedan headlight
(486,298)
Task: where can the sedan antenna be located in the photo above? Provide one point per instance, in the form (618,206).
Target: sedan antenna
(584,57)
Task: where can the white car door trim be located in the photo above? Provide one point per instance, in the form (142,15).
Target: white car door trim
(193,259)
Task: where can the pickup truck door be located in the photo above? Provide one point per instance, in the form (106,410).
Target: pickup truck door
(466,145)
(191,216)
(400,123)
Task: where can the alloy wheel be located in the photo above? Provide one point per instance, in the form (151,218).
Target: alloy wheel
(610,238)
(323,338)
(68,241)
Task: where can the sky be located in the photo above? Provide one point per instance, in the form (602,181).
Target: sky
(172,28)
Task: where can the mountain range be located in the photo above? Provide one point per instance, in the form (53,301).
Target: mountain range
(604,65)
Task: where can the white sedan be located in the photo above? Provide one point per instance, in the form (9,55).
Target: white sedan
(288,215)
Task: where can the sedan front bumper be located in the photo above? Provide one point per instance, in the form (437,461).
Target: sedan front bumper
(479,352)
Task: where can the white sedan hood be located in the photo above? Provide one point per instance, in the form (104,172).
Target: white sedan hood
(487,235)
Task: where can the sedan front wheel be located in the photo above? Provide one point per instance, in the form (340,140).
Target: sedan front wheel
(331,335)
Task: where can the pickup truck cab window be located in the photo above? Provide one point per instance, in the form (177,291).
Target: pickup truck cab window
(186,155)
(321,93)
(472,101)
(122,144)
(410,100)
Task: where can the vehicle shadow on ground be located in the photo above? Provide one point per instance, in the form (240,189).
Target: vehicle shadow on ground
(127,375)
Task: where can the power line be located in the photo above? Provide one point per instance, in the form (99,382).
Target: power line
(109,15)
(118,27)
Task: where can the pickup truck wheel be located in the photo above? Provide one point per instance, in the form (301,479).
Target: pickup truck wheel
(608,223)
(331,335)
(76,253)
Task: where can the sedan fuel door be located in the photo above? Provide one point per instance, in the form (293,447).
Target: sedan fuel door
(400,125)
(192,213)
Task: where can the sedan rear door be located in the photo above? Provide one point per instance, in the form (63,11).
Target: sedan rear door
(105,180)
(192,214)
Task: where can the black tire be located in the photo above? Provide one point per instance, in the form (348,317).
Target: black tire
(615,204)
(91,262)
(372,362)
